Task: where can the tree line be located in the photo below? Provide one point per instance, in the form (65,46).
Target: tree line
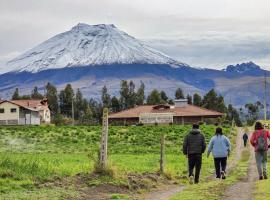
(67,102)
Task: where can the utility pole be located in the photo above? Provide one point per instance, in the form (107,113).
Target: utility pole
(73,122)
(265,96)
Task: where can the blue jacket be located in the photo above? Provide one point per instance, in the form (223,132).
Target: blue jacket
(220,146)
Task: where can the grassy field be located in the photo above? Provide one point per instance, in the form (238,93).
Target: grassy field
(31,157)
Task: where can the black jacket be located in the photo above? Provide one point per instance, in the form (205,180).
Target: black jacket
(194,143)
(245,137)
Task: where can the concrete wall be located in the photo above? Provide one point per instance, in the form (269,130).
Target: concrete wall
(28,117)
(45,116)
(8,117)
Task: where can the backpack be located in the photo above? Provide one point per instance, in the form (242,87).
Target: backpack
(261,142)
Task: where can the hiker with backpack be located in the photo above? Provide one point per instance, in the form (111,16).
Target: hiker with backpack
(193,147)
(220,147)
(259,141)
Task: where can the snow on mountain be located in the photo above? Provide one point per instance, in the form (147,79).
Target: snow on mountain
(87,45)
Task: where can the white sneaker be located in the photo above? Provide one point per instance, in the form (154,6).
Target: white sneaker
(191,179)
(223,175)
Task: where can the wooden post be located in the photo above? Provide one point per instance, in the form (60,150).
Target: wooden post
(162,153)
(104,139)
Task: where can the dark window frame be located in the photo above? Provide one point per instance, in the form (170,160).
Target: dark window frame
(2,110)
(13,110)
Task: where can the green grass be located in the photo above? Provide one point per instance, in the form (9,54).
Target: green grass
(55,193)
(31,155)
(262,189)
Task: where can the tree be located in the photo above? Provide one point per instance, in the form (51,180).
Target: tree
(140,95)
(128,96)
(35,94)
(97,110)
(164,97)
(179,94)
(66,98)
(16,95)
(189,99)
(154,98)
(253,110)
(105,97)
(124,94)
(131,95)
(232,114)
(79,104)
(214,102)
(87,116)
(197,100)
(171,102)
(25,97)
(51,95)
(115,105)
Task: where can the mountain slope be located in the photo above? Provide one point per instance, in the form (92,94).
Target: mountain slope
(91,56)
(86,45)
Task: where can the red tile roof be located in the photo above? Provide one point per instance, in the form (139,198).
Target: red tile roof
(28,104)
(187,111)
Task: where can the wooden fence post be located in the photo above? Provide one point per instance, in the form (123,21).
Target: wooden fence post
(104,139)
(162,153)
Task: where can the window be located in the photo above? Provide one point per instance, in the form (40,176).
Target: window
(13,110)
(2,110)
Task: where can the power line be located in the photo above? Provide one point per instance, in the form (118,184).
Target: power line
(265,96)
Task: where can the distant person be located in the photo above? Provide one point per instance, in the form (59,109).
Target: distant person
(245,139)
(194,146)
(220,147)
(259,141)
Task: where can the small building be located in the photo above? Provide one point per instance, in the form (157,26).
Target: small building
(24,112)
(180,113)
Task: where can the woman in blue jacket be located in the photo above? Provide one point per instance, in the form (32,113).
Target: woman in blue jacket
(220,147)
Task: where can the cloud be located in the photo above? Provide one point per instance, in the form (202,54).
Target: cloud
(217,53)
(207,33)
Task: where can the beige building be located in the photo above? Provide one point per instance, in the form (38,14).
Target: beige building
(24,112)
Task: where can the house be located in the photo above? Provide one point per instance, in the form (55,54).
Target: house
(24,112)
(180,113)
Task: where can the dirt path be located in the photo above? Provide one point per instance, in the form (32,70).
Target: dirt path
(244,189)
(164,193)
(169,191)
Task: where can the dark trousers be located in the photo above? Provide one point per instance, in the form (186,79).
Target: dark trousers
(245,143)
(220,165)
(195,161)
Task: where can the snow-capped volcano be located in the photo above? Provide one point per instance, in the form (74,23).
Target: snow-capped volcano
(86,45)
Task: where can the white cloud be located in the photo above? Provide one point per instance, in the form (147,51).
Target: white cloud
(203,33)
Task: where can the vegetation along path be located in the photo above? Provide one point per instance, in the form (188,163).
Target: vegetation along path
(169,191)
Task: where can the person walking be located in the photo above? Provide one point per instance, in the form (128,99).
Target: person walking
(193,147)
(220,147)
(245,139)
(259,141)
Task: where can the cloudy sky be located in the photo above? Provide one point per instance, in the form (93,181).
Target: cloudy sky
(201,33)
